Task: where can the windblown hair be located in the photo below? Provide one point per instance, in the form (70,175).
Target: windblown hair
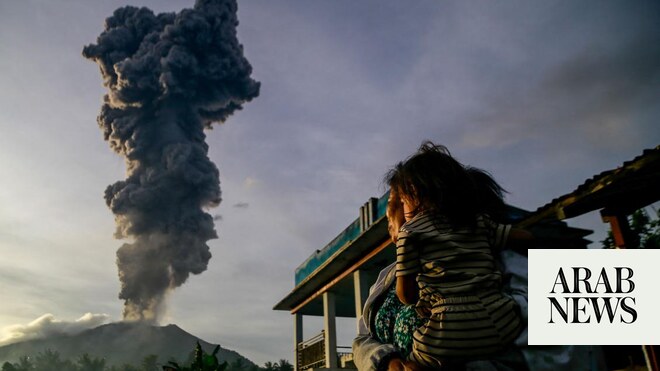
(436,182)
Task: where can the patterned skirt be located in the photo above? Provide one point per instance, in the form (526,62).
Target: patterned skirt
(396,322)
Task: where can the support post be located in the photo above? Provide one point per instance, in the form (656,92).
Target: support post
(297,339)
(330,326)
(651,357)
(624,238)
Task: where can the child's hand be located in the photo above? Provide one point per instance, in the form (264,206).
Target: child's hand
(395,218)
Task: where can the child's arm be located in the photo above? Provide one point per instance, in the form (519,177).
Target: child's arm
(519,238)
(406,289)
(407,268)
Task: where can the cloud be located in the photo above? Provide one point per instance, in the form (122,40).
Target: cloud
(597,92)
(250,182)
(47,325)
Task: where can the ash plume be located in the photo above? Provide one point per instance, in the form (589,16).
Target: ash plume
(169,76)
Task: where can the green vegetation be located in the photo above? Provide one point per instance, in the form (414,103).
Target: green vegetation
(198,361)
(642,226)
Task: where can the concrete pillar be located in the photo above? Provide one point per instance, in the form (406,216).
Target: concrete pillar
(360,281)
(330,326)
(297,338)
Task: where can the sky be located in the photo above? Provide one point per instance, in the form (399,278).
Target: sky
(541,94)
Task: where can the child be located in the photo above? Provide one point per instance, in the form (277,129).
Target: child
(445,263)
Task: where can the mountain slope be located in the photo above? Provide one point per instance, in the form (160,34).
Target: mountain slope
(120,343)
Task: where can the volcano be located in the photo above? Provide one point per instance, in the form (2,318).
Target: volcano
(121,343)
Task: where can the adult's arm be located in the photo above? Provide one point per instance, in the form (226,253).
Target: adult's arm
(370,354)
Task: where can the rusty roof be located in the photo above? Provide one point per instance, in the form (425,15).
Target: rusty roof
(632,185)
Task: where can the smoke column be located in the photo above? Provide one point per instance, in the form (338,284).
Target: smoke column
(169,77)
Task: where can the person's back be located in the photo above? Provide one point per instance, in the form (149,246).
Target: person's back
(455,260)
(459,289)
(445,263)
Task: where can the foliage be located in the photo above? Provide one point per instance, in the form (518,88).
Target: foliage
(201,362)
(87,363)
(50,360)
(283,365)
(642,226)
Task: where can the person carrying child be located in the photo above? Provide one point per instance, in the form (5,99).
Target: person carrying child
(445,259)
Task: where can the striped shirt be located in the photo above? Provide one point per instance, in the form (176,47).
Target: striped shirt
(450,261)
(459,288)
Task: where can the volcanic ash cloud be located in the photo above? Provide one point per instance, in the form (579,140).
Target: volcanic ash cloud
(169,77)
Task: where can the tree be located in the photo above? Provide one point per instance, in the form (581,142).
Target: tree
(643,227)
(87,363)
(284,365)
(24,364)
(201,361)
(49,360)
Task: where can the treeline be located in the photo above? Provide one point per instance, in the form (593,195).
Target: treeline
(198,360)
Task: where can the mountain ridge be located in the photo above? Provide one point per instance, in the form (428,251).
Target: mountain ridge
(120,343)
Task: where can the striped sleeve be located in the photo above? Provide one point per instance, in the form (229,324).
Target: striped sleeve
(407,254)
(498,233)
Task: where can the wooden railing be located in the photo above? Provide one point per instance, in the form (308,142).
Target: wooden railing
(311,353)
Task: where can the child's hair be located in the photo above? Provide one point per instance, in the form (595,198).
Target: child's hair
(437,182)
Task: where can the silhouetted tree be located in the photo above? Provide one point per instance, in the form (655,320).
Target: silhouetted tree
(201,361)
(50,360)
(87,363)
(24,364)
(643,227)
(284,365)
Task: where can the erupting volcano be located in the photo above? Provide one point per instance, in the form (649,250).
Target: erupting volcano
(169,76)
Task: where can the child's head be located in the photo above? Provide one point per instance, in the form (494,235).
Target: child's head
(432,180)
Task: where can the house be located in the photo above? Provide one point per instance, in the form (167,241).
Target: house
(334,281)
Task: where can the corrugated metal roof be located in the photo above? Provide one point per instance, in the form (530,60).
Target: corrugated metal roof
(648,163)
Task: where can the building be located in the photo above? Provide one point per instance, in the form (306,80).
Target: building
(334,281)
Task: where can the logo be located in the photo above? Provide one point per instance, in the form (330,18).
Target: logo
(593,297)
(582,298)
